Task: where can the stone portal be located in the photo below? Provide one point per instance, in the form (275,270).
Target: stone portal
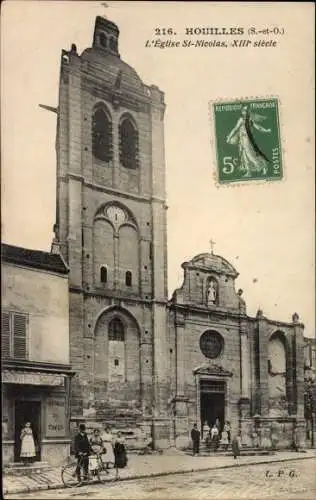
(212,402)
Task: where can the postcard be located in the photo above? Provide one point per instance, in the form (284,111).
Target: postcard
(158,270)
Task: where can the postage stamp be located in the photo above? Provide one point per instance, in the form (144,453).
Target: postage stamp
(247,140)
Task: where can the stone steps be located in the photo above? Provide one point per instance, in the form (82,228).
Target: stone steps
(245,451)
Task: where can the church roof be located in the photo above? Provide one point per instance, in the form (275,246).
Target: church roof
(212,262)
(109,68)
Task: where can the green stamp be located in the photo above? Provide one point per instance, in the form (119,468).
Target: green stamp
(247,134)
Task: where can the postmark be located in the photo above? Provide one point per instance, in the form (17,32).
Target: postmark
(247,140)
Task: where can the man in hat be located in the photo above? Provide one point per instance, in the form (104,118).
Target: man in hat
(195,436)
(82,452)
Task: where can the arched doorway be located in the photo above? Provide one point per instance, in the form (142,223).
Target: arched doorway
(117,376)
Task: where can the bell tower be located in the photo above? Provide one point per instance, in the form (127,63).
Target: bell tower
(106,35)
(111,229)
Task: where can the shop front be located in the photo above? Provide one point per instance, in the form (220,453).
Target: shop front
(40,398)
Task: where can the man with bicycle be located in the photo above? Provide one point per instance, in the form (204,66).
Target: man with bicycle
(82,452)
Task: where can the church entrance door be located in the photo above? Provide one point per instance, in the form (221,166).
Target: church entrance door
(212,402)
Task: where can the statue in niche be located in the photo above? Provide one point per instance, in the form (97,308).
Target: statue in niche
(211,293)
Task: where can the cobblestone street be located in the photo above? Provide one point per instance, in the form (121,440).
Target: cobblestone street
(285,480)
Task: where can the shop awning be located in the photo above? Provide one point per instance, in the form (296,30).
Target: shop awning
(32,378)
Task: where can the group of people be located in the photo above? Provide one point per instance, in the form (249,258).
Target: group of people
(215,436)
(111,451)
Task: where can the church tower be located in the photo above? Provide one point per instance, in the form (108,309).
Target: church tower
(111,229)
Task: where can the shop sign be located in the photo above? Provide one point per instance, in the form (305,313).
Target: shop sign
(32,378)
(55,417)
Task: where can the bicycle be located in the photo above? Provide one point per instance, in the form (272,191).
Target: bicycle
(100,473)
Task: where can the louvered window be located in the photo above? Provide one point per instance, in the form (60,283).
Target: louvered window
(102,136)
(13,335)
(128,144)
(5,335)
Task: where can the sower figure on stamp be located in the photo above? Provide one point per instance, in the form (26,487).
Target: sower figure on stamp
(252,159)
(195,436)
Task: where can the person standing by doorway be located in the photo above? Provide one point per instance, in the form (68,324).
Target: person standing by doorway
(28,451)
(82,452)
(218,425)
(227,428)
(206,430)
(195,436)
(224,439)
(214,437)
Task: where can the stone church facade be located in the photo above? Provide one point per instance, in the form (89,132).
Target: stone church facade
(230,366)
(141,359)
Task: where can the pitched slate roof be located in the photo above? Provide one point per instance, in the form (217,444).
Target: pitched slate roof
(33,258)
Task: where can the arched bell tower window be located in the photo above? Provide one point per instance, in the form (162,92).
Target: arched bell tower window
(103,274)
(116,330)
(128,278)
(101,135)
(113,44)
(128,143)
(103,40)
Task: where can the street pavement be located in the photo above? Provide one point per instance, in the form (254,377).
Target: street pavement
(147,469)
(287,480)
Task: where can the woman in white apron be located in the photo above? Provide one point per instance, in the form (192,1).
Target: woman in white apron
(206,430)
(28,451)
(108,455)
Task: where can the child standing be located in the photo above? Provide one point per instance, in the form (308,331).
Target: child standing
(27,444)
(236,447)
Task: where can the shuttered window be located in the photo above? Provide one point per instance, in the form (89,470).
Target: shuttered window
(5,335)
(13,335)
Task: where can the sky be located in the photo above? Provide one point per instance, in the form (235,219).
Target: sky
(266,230)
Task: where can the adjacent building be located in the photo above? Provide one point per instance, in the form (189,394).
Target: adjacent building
(36,371)
(310,390)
